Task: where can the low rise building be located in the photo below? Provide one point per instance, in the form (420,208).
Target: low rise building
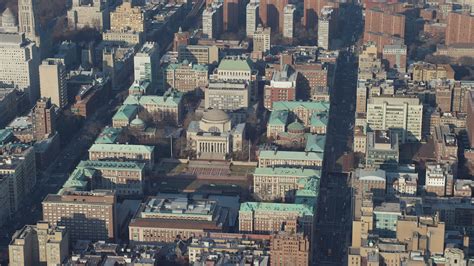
(382,149)
(199,54)
(280,183)
(268,218)
(128,152)
(370,181)
(227,95)
(124,178)
(169,217)
(214,136)
(289,248)
(186,76)
(168,107)
(445,144)
(290,159)
(439,180)
(282,87)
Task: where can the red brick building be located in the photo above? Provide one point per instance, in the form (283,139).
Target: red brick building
(231,15)
(377,20)
(460,28)
(180,39)
(381,40)
(312,9)
(271,13)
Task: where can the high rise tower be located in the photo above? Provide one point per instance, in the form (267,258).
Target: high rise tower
(27,19)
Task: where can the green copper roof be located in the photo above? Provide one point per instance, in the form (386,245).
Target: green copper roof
(126,112)
(109,135)
(319,119)
(296,126)
(279,117)
(196,67)
(284,171)
(315,143)
(235,64)
(291,155)
(170,98)
(79,179)
(5,135)
(320,106)
(121,148)
(302,209)
(100,165)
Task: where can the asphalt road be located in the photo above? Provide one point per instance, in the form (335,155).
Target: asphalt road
(333,222)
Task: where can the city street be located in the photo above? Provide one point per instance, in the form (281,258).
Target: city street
(333,224)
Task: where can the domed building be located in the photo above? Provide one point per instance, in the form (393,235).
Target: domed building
(293,137)
(8,21)
(214,137)
(138,124)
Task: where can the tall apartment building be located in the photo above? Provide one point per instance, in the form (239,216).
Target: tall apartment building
(312,10)
(146,63)
(403,115)
(262,39)
(212,21)
(186,76)
(89,13)
(9,104)
(53,84)
(44,119)
(271,13)
(251,18)
(231,15)
(326,25)
(290,249)
(28,19)
(395,56)
(19,60)
(289,21)
(460,28)
(88,215)
(40,244)
(18,166)
(377,20)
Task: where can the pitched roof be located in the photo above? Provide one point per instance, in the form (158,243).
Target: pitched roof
(121,148)
(301,209)
(285,171)
(279,117)
(235,64)
(291,155)
(320,106)
(315,143)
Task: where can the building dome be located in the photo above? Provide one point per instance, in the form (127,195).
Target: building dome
(8,18)
(137,123)
(295,127)
(215,115)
